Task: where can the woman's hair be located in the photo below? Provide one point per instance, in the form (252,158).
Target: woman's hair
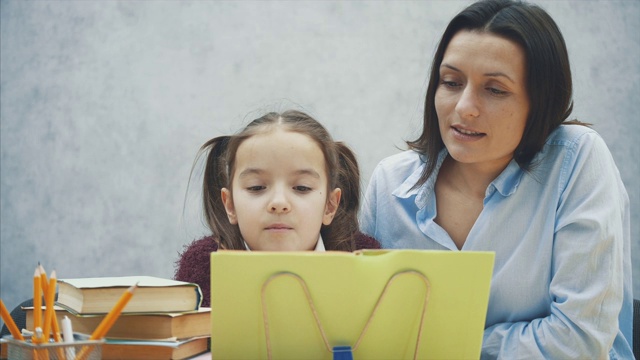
(547,74)
(340,163)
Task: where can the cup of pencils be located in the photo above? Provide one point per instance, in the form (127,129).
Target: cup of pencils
(46,342)
(26,349)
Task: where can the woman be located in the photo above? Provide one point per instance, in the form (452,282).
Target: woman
(499,168)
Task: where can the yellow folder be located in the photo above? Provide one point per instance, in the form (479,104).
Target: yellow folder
(384,304)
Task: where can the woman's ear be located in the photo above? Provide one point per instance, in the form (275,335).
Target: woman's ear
(330,209)
(227,200)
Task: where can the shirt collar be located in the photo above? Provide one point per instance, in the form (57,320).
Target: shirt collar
(506,183)
(406,189)
(319,245)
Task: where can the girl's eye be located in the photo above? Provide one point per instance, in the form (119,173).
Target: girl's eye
(302,188)
(256,188)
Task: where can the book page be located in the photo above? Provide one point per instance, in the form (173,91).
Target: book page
(123,281)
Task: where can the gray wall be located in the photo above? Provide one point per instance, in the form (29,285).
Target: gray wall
(105,103)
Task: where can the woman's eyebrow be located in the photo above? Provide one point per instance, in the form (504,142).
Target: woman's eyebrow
(491,74)
(450,67)
(500,74)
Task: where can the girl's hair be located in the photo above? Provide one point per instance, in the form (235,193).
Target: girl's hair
(547,72)
(340,163)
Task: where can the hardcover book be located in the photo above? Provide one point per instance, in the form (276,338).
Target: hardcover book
(99,295)
(140,326)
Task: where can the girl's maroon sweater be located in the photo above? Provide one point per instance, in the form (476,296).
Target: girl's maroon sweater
(193,264)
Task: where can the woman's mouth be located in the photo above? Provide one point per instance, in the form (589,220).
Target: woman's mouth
(466,134)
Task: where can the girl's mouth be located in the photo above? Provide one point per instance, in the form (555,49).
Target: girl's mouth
(278,227)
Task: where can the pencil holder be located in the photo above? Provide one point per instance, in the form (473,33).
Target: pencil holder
(23,350)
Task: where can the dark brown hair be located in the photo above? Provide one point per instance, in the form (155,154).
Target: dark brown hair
(340,163)
(547,73)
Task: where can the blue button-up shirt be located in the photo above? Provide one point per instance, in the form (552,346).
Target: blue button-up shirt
(561,287)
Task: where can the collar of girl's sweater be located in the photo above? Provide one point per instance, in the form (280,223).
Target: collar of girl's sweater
(319,245)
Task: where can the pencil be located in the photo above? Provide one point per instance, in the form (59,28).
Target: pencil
(109,320)
(37,305)
(50,320)
(49,311)
(55,327)
(112,316)
(54,320)
(67,331)
(8,320)
(43,279)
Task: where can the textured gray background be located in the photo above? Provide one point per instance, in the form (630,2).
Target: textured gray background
(105,103)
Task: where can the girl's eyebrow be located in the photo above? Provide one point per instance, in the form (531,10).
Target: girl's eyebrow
(250,171)
(309,172)
(491,74)
(257,171)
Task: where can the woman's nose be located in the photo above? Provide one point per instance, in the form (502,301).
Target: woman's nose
(467,106)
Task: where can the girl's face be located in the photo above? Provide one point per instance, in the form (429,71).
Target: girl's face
(278,193)
(482,101)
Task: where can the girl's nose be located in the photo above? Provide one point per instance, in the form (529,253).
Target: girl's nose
(467,106)
(279,203)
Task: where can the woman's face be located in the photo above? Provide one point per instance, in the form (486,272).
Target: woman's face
(278,196)
(482,102)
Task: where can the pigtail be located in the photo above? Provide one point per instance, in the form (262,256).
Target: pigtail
(216,178)
(340,234)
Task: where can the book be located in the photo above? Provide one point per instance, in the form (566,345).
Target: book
(99,295)
(139,326)
(154,350)
(4,350)
(401,303)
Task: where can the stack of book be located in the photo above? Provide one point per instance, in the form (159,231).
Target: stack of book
(163,319)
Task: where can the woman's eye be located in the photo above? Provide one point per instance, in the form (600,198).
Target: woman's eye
(495,91)
(449,84)
(302,188)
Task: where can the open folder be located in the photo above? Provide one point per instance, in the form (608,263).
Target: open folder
(383,304)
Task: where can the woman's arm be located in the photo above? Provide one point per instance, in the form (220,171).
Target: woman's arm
(588,266)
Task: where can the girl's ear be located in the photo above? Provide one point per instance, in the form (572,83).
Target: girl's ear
(332,206)
(225,195)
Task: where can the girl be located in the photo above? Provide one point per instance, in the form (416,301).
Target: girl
(281,184)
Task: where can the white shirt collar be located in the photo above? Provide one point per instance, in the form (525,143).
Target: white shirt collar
(319,245)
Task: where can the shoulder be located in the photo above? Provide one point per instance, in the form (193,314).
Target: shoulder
(364,241)
(205,245)
(195,255)
(407,159)
(574,136)
(193,265)
(579,152)
(575,144)
(395,169)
